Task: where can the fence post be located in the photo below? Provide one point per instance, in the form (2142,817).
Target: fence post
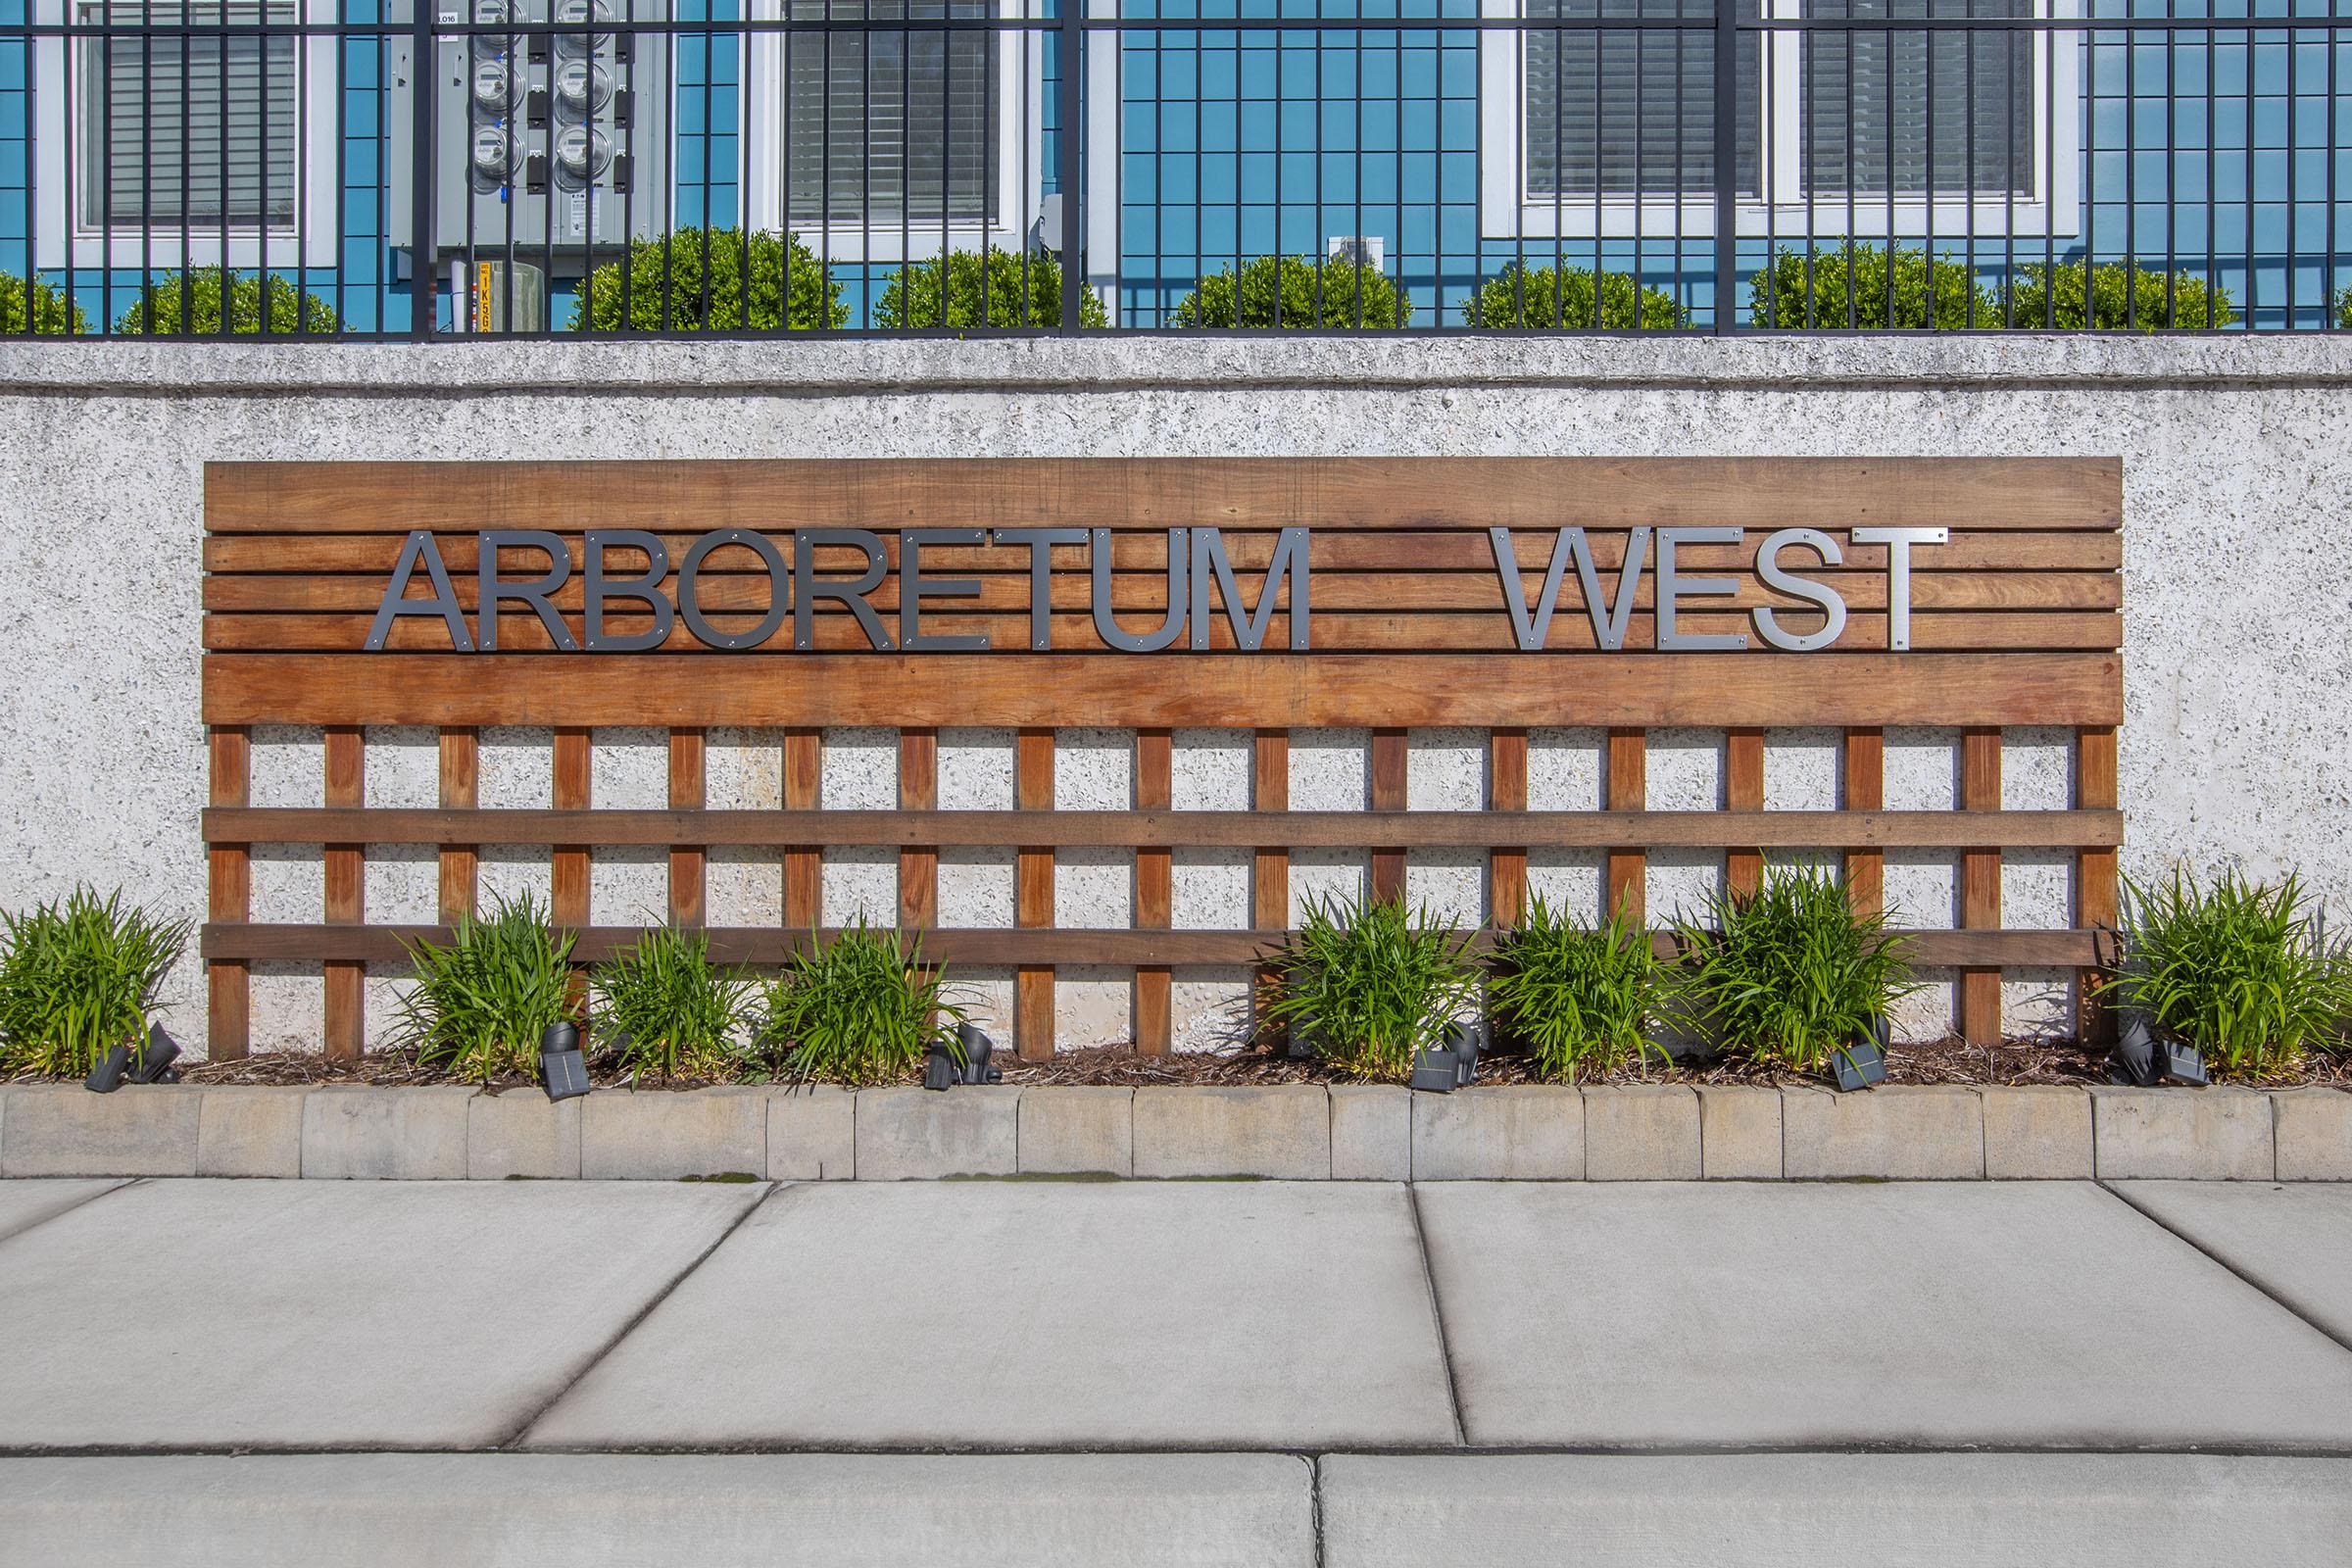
(1070,90)
(422,73)
(1726,165)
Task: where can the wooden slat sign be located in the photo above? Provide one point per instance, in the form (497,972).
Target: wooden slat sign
(1268,594)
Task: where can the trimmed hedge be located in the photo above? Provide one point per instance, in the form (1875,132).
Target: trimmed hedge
(697,280)
(1571,297)
(214,299)
(1848,286)
(1290,283)
(1012,288)
(2113,298)
(52,316)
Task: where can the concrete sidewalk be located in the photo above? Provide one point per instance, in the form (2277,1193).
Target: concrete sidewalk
(1196,1372)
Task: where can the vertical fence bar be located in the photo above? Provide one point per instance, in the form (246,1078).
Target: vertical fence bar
(1980,885)
(2094,871)
(1388,795)
(1506,790)
(803,863)
(424,74)
(1727,162)
(918,866)
(1071,177)
(1864,766)
(346,870)
(1155,890)
(1033,897)
(459,864)
(229,901)
(688,863)
(1628,787)
(1744,790)
(1269,863)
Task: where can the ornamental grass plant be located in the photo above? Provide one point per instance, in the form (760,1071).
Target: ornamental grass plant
(1370,984)
(1583,998)
(2234,968)
(78,977)
(666,1010)
(861,1008)
(480,1004)
(1788,975)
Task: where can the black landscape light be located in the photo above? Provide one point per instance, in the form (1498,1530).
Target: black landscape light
(2135,1051)
(1466,1038)
(1298,1041)
(941,1069)
(155,1059)
(108,1075)
(561,1067)
(1862,1062)
(1440,1071)
(977,1049)
(2180,1062)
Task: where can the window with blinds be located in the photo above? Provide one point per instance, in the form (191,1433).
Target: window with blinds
(891,122)
(181,128)
(1915,114)
(1629,112)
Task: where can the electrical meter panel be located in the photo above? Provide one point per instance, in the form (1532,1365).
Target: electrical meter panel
(548,137)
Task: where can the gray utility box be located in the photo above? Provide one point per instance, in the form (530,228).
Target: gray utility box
(550,140)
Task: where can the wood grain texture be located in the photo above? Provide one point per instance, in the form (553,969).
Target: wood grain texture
(918,863)
(1154,891)
(1744,790)
(2095,874)
(459,789)
(803,862)
(1862,787)
(688,861)
(1626,788)
(1033,897)
(1269,863)
(1981,884)
(1388,770)
(1506,792)
(1266,690)
(228,900)
(346,877)
(567,882)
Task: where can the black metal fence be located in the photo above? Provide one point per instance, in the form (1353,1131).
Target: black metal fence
(340,168)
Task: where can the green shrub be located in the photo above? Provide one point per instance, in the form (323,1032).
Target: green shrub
(52,316)
(1849,289)
(1582,997)
(2234,968)
(1251,299)
(2343,306)
(212,299)
(2113,298)
(912,299)
(861,1008)
(663,286)
(1565,297)
(1790,974)
(79,978)
(1371,984)
(480,1004)
(668,1010)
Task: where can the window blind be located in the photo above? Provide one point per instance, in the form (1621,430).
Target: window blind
(1630,110)
(186,129)
(891,125)
(1874,105)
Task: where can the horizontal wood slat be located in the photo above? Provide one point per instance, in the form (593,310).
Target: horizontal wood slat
(1166,690)
(1404,493)
(1400,829)
(1004,947)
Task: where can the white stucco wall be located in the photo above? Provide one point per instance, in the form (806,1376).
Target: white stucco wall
(2237,474)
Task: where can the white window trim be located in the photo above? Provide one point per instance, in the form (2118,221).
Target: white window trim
(1507,210)
(1020,152)
(310,240)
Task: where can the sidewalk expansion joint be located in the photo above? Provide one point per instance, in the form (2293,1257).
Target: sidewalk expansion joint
(1437,1317)
(2250,1281)
(121,1185)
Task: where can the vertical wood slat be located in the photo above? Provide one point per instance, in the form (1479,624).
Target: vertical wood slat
(689,863)
(1269,863)
(2096,891)
(568,878)
(1154,891)
(228,898)
(1627,790)
(461,789)
(1033,897)
(1864,789)
(346,871)
(804,864)
(1744,790)
(1980,885)
(1388,795)
(918,866)
(1506,790)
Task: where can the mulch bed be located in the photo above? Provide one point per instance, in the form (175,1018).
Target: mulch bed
(1950,1060)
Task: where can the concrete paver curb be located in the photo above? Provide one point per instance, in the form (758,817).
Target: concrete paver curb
(1295,1132)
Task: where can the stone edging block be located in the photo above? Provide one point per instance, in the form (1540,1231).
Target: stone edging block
(2186,1135)
(1909,1133)
(910,1134)
(65,1130)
